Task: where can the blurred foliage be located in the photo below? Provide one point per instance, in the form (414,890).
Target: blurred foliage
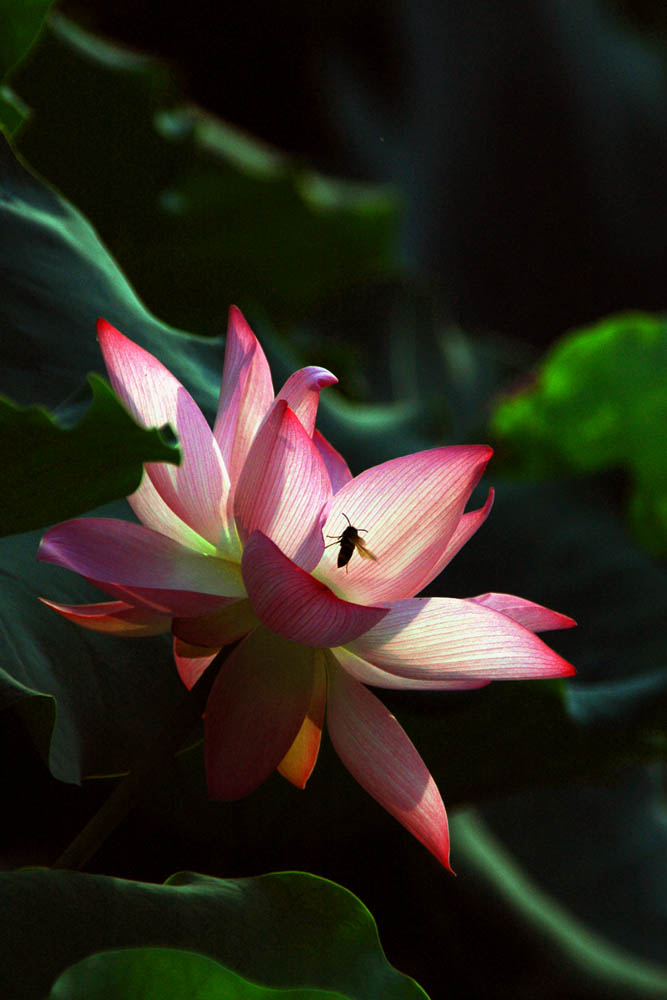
(209,213)
(53,472)
(599,401)
(528,139)
(282,930)
(20,24)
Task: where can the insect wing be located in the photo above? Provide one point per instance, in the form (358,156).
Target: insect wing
(363,551)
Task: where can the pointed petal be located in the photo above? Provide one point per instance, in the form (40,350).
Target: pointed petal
(191,661)
(246,394)
(120,552)
(301,392)
(197,490)
(284,488)
(115,617)
(254,712)
(335,464)
(464,530)
(368,673)
(442,638)
(167,602)
(217,628)
(298,763)
(532,616)
(410,508)
(294,604)
(379,755)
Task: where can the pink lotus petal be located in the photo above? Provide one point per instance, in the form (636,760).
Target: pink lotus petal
(246,394)
(217,628)
(442,638)
(301,392)
(532,616)
(254,712)
(284,488)
(197,490)
(154,513)
(379,755)
(367,673)
(115,617)
(335,464)
(120,552)
(168,602)
(191,661)
(410,508)
(464,531)
(294,604)
(298,763)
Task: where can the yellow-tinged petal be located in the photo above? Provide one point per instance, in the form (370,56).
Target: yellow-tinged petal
(298,763)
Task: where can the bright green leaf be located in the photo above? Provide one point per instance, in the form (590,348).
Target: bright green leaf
(599,402)
(52,472)
(285,930)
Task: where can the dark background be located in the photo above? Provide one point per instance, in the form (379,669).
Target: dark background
(528,138)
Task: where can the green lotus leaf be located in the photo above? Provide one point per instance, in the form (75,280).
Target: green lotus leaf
(289,931)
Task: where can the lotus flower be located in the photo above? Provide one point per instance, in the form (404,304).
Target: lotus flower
(231,548)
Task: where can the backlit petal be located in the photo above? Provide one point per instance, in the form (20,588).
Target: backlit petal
(532,616)
(379,755)
(298,763)
(114,617)
(464,530)
(335,464)
(368,673)
(294,604)
(121,552)
(154,513)
(301,392)
(441,637)
(410,508)
(246,394)
(198,489)
(283,488)
(254,712)
(217,628)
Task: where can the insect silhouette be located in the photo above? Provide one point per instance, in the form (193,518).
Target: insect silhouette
(349,540)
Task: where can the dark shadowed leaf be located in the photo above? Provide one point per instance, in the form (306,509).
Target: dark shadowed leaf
(282,930)
(20,24)
(57,279)
(91,703)
(53,472)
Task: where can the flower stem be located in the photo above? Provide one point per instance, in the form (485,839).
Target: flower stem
(127,792)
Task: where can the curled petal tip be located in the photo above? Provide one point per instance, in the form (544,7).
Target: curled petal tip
(320,377)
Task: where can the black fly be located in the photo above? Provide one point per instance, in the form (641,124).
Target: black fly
(349,541)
